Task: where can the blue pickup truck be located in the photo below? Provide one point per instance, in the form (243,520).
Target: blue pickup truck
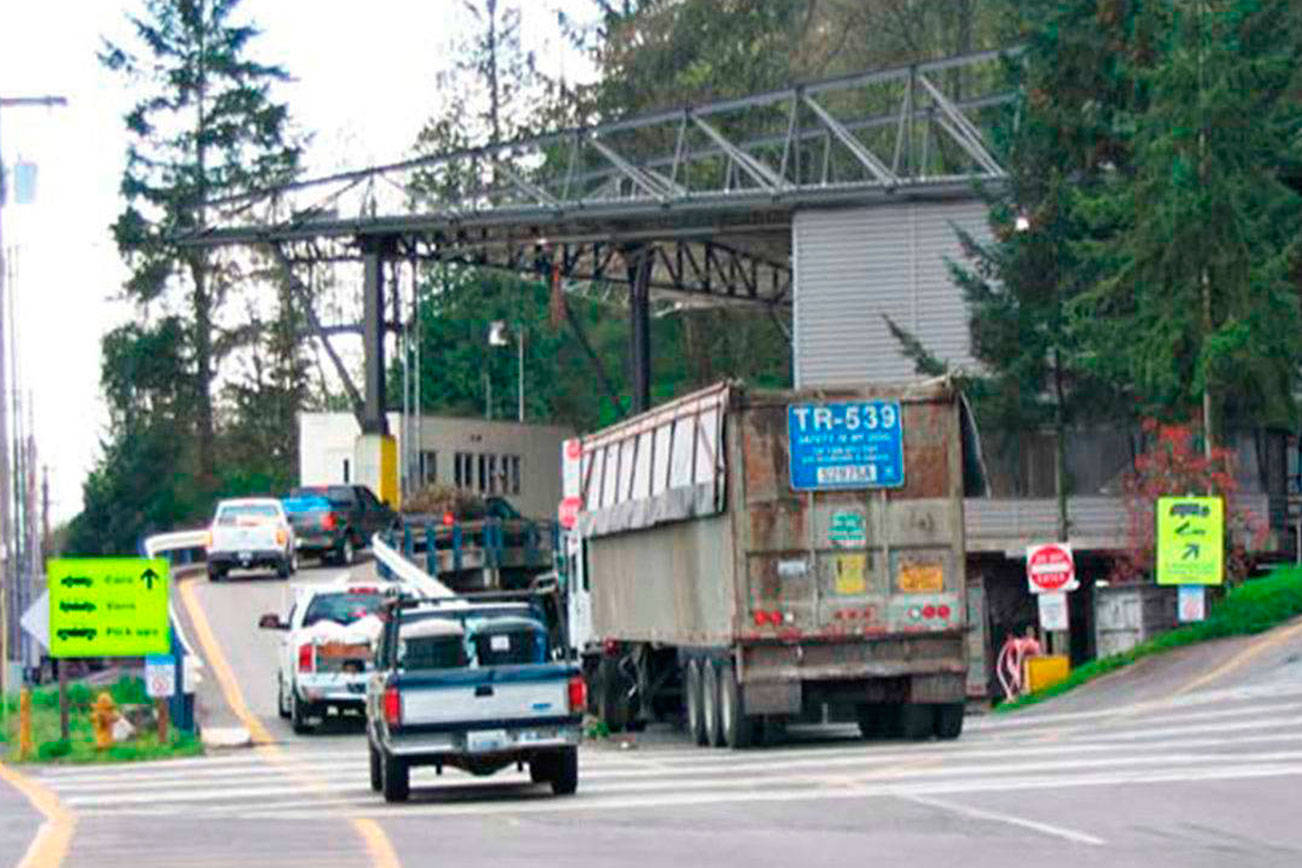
(475,684)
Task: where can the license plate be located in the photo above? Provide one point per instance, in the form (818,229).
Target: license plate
(246,556)
(532,736)
(486,740)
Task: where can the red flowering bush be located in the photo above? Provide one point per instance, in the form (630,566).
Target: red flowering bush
(1172,465)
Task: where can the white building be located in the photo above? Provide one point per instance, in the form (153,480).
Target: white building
(520,462)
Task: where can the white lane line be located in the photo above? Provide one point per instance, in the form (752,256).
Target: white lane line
(1009,819)
(585,801)
(728,779)
(357,770)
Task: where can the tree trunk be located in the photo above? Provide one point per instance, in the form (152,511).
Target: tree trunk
(202,299)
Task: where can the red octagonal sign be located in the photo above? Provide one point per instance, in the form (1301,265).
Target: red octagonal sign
(1050,568)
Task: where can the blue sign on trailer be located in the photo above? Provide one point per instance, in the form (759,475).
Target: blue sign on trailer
(846,444)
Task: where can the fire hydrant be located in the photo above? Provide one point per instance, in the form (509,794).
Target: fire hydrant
(103,714)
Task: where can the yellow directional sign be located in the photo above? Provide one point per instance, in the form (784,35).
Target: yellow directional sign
(108,607)
(1190,541)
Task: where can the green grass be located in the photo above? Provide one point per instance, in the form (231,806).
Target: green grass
(1253,607)
(80,745)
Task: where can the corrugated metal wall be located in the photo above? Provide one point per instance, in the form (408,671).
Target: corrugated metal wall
(854,265)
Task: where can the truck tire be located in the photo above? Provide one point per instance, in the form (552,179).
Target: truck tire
(917,720)
(695,713)
(347,552)
(565,772)
(737,726)
(710,703)
(215,574)
(395,778)
(874,720)
(377,773)
(298,715)
(949,720)
(613,705)
(282,707)
(284,569)
(541,768)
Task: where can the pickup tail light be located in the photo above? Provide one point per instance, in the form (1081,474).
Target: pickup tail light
(281,537)
(392,707)
(330,522)
(305,658)
(578,694)
(207,540)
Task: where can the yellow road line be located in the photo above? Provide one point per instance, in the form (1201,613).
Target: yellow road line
(226,679)
(1244,657)
(50,846)
(377,843)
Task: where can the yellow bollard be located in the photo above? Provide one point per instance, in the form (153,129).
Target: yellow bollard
(103,714)
(25,747)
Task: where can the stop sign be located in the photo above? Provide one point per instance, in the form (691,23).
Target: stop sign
(568,512)
(1050,568)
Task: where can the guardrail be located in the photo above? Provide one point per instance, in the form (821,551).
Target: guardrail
(394,566)
(170,545)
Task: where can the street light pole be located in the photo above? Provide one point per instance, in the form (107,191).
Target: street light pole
(8,574)
(519,343)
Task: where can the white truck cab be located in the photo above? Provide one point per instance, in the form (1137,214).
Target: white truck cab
(250,533)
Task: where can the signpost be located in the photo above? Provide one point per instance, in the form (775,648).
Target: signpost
(567,513)
(1053,611)
(846,445)
(108,607)
(1192,603)
(1190,541)
(1050,568)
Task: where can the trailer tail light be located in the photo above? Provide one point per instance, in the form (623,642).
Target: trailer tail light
(306,657)
(610,647)
(330,522)
(774,617)
(392,707)
(578,694)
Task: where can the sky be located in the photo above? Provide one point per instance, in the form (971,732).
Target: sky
(364,84)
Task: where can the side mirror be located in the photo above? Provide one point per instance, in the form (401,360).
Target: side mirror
(272,622)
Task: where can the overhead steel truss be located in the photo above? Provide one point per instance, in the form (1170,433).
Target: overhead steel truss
(694,201)
(900,132)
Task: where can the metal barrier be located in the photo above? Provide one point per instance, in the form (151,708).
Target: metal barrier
(394,566)
(167,545)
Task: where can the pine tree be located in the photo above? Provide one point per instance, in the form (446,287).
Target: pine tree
(206,127)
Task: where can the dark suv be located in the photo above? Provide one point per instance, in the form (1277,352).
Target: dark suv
(334,521)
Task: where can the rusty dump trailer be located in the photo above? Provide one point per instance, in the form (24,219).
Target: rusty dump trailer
(758,557)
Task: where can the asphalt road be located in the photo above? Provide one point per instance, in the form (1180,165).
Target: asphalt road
(1195,759)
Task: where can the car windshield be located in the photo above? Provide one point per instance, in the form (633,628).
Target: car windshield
(342,608)
(338,495)
(246,513)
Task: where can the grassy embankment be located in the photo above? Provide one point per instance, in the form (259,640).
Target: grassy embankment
(1253,607)
(80,746)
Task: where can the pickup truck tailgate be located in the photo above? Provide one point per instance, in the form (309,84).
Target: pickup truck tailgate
(475,697)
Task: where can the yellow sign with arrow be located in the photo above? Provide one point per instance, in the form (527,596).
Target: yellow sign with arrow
(108,607)
(1190,541)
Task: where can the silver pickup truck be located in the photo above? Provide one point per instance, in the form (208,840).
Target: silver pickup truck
(473,684)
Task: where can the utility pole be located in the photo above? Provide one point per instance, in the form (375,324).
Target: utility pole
(8,572)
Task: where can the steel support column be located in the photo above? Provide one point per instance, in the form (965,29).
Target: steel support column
(374,250)
(639,261)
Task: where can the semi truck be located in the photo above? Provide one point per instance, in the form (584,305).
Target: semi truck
(748,558)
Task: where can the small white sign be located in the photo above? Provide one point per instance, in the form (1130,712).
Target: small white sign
(160,676)
(499,643)
(1192,603)
(36,620)
(1053,611)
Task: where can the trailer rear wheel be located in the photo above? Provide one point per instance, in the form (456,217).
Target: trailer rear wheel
(695,714)
(710,703)
(949,720)
(738,727)
(917,721)
(613,701)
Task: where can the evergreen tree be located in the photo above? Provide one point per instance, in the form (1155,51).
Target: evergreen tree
(206,127)
(1194,235)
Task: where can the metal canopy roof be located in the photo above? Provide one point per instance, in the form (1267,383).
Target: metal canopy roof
(707,190)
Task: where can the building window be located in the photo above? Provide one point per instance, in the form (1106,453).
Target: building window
(515,474)
(483,473)
(463,465)
(429,467)
(492,474)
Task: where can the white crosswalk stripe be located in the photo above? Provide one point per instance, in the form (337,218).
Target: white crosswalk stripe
(1227,735)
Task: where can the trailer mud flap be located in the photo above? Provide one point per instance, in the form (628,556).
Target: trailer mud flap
(771,697)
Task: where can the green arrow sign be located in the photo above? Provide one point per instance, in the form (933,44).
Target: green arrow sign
(1190,541)
(108,607)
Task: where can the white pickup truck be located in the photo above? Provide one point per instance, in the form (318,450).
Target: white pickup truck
(249,533)
(326,655)
(473,684)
